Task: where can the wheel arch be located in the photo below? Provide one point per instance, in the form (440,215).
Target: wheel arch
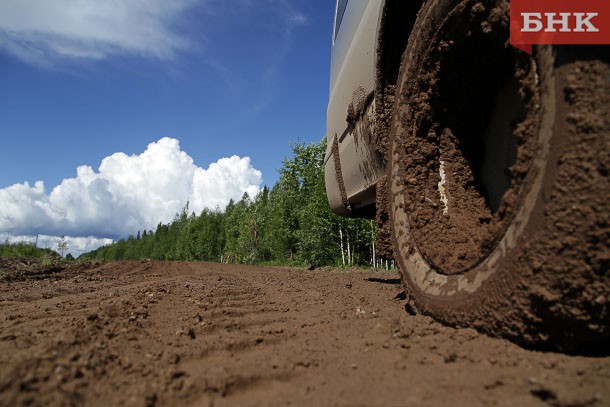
(397,21)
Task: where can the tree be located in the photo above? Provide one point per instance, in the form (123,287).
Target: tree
(62,245)
(291,223)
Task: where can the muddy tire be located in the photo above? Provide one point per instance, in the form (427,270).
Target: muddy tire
(499,179)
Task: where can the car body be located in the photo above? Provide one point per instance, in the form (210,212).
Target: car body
(350,177)
(369,38)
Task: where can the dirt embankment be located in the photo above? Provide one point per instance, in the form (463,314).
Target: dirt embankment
(154,333)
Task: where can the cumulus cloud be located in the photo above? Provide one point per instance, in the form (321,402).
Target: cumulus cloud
(126,194)
(40,30)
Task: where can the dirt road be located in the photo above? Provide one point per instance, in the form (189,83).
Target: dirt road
(155,333)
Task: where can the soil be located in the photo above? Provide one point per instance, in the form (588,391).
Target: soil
(163,333)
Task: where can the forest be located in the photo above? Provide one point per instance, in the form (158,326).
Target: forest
(289,224)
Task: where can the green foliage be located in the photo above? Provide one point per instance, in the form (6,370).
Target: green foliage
(291,224)
(62,246)
(47,261)
(24,249)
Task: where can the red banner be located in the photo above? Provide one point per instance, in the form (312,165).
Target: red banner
(559,22)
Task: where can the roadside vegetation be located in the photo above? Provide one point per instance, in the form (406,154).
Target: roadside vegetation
(24,260)
(18,260)
(289,224)
(25,249)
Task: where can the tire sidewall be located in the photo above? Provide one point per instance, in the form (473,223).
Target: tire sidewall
(484,296)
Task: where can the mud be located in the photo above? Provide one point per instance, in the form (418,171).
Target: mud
(456,94)
(339,174)
(568,252)
(383,239)
(159,333)
(396,23)
(381,142)
(524,254)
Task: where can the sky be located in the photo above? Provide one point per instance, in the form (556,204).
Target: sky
(114,114)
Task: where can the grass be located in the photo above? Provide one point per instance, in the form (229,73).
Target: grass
(25,250)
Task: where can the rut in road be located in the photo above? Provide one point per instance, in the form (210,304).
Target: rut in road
(161,333)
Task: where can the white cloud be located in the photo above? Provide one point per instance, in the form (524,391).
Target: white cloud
(39,31)
(126,194)
(46,31)
(75,245)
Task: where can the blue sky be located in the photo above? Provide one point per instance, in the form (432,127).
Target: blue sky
(83,80)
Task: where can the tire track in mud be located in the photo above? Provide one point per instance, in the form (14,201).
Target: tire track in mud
(231,323)
(157,333)
(225,319)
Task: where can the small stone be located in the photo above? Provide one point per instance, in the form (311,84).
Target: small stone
(191,333)
(450,358)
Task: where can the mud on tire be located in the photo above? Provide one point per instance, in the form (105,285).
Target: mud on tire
(499,179)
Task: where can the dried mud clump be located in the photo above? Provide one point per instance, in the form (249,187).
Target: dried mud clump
(454,216)
(569,253)
(384,247)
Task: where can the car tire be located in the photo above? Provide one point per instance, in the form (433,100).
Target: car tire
(498,179)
